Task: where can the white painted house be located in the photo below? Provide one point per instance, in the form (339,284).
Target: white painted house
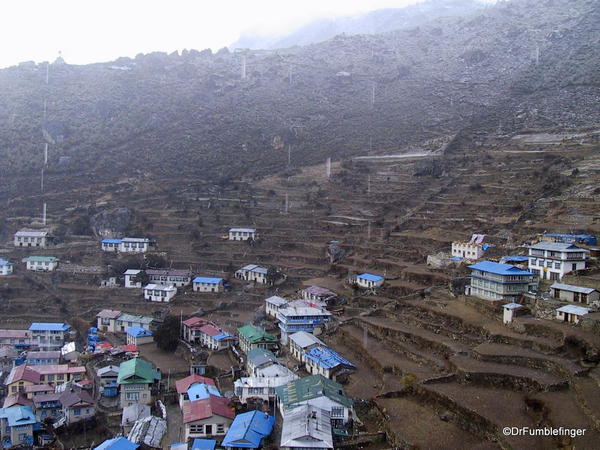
(509,312)
(552,260)
(242,234)
(208,284)
(107,320)
(130,275)
(126,245)
(174,277)
(262,387)
(41,263)
(159,293)
(6,267)
(574,294)
(369,280)
(273,304)
(571,313)
(252,272)
(301,342)
(29,238)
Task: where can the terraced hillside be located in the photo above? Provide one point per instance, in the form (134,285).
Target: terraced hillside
(424,352)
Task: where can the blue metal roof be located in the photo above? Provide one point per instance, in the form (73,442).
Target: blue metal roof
(4,262)
(370,277)
(49,326)
(220,337)
(138,332)
(568,238)
(201,391)
(327,358)
(204,444)
(207,280)
(499,269)
(112,241)
(118,443)
(18,415)
(515,258)
(248,430)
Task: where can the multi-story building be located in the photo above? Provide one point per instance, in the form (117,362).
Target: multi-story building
(16,426)
(301,318)
(29,238)
(318,294)
(325,361)
(273,304)
(207,418)
(107,320)
(136,379)
(126,245)
(252,272)
(125,321)
(251,337)
(208,284)
(301,342)
(19,339)
(169,277)
(49,335)
(552,260)
(41,263)
(159,293)
(494,281)
(131,279)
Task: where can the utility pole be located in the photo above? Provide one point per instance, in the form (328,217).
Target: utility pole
(46,154)
(244,66)
(47,72)
(328,168)
(44,214)
(286,203)
(369,184)
(373,94)
(369,231)
(290,75)
(289,155)
(42,181)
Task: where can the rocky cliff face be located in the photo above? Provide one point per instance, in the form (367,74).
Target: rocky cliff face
(514,65)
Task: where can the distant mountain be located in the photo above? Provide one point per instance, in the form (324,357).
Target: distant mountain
(373,22)
(514,65)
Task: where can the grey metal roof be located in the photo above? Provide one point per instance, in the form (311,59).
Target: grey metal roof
(276,300)
(572,288)
(304,339)
(149,431)
(572,309)
(557,247)
(307,427)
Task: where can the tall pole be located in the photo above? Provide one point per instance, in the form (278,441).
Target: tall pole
(44,214)
(289,155)
(328,165)
(42,181)
(244,66)
(46,154)
(290,75)
(286,203)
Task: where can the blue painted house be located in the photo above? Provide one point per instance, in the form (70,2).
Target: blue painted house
(301,318)
(118,443)
(248,430)
(6,267)
(204,444)
(16,426)
(138,335)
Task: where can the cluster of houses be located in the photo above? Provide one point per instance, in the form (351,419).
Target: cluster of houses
(550,259)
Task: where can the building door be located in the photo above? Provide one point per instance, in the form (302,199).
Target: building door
(574,266)
(208,430)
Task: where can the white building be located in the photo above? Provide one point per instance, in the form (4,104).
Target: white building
(242,234)
(306,427)
(159,293)
(27,238)
(6,267)
(552,260)
(126,245)
(261,387)
(130,276)
(467,250)
(173,277)
(574,294)
(571,313)
(208,284)
(317,294)
(41,263)
(125,321)
(107,320)
(301,342)
(369,280)
(274,304)
(509,311)
(48,336)
(494,281)
(252,272)
(301,318)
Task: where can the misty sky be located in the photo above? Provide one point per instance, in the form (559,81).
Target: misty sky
(102,30)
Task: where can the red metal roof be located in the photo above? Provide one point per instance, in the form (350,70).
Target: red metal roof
(22,373)
(211,330)
(108,314)
(195,321)
(203,409)
(184,384)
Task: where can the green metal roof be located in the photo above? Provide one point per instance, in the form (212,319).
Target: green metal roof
(40,259)
(137,370)
(254,334)
(310,387)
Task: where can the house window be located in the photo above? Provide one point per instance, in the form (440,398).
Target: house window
(77,411)
(337,411)
(220,428)
(197,429)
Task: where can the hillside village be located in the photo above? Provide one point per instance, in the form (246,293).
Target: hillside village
(330,329)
